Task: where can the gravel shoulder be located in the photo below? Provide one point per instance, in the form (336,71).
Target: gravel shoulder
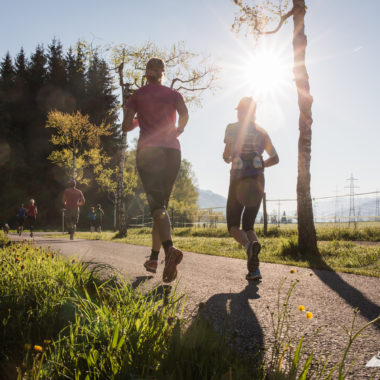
(219,285)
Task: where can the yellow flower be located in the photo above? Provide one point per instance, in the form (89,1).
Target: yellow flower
(28,346)
(309,315)
(292,271)
(301,308)
(18,259)
(73,261)
(47,341)
(38,348)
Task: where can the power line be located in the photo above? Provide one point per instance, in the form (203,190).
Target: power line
(314,198)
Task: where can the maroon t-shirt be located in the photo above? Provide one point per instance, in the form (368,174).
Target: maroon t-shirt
(72,196)
(32,210)
(156,107)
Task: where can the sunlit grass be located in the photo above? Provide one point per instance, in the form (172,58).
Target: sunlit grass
(281,248)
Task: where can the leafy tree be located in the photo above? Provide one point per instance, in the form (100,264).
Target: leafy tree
(75,62)
(257,18)
(185,194)
(78,141)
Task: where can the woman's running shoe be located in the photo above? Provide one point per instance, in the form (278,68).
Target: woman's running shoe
(172,258)
(151,265)
(253,256)
(256,275)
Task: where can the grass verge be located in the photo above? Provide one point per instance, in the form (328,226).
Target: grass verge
(337,255)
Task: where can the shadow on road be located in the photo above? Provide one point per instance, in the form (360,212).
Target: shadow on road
(139,280)
(233,314)
(350,294)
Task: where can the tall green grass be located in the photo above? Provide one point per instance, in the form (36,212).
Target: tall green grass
(61,320)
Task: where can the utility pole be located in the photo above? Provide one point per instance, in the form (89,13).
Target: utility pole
(336,205)
(352,187)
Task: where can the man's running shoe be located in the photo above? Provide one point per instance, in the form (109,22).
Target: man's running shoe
(151,265)
(172,258)
(254,276)
(253,256)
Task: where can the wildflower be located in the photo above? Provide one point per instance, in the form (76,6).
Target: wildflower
(28,346)
(73,261)
(22,267)
(48,255)
(292,271)
(309,315)
(38,348)
(47,341)
(301,308)
(18,259)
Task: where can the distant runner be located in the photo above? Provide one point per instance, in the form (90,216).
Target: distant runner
(31,216)
(245,143)
(92,218)
(21,214)
(99,213)
(72,199)
(158,157)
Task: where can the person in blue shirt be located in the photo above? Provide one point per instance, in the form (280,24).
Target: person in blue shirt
(21,214)
(92,218)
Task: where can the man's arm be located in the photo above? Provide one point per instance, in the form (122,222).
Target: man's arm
(81,201)
(64,199)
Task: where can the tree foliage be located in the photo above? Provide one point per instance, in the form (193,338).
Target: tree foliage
(78,143)
(30,87)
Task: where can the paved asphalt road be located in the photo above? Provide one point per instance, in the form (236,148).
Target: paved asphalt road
(220,284)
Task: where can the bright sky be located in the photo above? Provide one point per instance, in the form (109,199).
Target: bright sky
(343,58)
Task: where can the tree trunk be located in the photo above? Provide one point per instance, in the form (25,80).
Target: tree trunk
(74,160)
(120,207)
(307,239)
(121,215)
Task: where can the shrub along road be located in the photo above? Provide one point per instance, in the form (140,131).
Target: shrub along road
(217,285)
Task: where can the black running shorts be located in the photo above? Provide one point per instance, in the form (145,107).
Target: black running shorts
(244,199)
(158,168)
(72,216)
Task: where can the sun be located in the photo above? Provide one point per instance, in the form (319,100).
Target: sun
(265,73)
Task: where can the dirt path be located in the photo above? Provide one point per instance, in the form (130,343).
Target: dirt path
(219,283)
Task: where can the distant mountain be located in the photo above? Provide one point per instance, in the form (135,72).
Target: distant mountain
(209,199)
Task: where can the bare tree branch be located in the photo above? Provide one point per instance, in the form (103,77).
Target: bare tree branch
(192,89)
(193,79)
(282,20)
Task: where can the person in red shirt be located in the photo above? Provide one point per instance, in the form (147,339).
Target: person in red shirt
(31,212)
(158,156)
(72,199)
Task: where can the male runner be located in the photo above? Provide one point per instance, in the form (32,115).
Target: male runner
(72,199)
(32,215)
(21,214)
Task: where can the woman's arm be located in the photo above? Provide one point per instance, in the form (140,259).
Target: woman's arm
(227,154)
(128,124)
(273,156)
